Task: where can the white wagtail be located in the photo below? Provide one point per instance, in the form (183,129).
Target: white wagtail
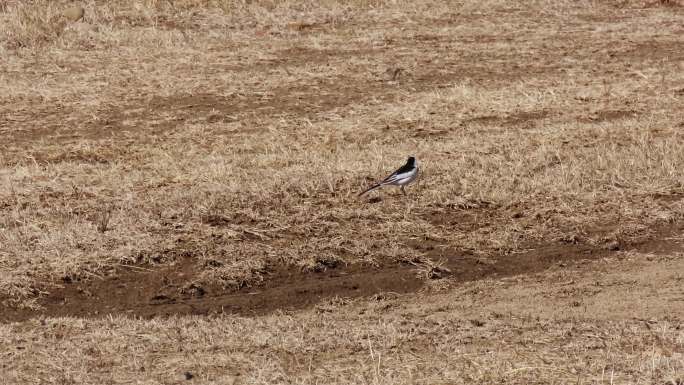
(403,176)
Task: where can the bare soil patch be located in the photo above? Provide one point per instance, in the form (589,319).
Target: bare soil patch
(147,291)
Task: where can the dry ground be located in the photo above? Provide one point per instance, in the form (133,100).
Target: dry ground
(179,178)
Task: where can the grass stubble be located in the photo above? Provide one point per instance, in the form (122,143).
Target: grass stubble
(129,135)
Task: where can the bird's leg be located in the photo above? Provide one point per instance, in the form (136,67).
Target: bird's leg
(402,190)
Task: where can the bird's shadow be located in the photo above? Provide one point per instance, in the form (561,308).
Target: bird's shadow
(375,200)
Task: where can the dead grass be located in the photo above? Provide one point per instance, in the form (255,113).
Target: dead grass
(237,134)
(562,326)
(32,24)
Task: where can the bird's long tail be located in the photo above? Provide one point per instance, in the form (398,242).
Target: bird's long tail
(371,189)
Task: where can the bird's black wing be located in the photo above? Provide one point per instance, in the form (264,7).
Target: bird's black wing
(405,169)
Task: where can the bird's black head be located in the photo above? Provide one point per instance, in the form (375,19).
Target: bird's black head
(411,161)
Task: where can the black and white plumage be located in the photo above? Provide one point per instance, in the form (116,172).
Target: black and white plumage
(403,176)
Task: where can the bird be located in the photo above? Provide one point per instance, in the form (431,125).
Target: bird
(401,177)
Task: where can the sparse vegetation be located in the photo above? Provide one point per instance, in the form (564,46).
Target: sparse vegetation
(200,159)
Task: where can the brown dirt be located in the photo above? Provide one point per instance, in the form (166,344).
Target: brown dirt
(520,120)
(146,291)
(149,292)
(144,116)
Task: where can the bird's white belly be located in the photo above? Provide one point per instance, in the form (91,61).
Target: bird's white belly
(407,179)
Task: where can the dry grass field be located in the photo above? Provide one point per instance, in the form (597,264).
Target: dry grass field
(179,180)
